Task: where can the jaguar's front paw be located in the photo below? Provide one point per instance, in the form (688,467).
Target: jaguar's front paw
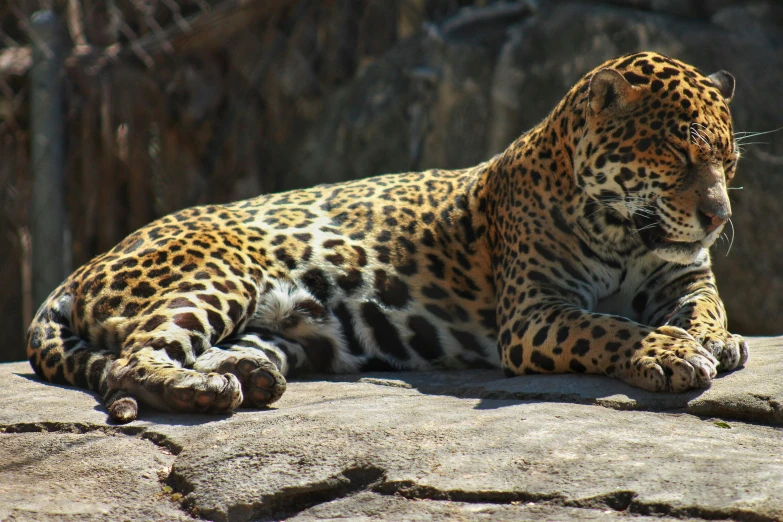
(731,351)
(670,359)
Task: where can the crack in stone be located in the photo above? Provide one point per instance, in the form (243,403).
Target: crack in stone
(775,405)
(615,500)
(413,491)
(287,502)
(620,501)
(158,439)
(704,513)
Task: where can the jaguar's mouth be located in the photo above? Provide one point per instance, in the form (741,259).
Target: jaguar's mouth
(656,238)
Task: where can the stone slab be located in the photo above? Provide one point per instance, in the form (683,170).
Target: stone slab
(443,445)
(482,451)
(90,476)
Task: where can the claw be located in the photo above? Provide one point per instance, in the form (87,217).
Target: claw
(730,350)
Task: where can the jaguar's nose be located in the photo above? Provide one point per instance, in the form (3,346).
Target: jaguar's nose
(712,219)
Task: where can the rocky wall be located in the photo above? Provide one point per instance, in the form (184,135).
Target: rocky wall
(458,92)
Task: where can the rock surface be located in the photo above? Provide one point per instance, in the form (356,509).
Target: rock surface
(90,475)
(463,445)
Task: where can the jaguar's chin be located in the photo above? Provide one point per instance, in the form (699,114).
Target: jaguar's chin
(681,253)
(664,246)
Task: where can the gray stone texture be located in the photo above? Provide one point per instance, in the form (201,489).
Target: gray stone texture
(71,474)
(466,445)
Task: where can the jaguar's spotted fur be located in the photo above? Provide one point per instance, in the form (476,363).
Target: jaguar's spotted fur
(581,248)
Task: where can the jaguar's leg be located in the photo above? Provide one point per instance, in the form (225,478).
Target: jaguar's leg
(151,375)
(562,338)
(694,305)
(189,359)
(259,359)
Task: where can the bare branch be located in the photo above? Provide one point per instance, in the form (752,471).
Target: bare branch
(74,17)
(15,61)
(201,31)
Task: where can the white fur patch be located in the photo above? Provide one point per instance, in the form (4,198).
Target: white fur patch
(278,306)
(64,305)
(278,311)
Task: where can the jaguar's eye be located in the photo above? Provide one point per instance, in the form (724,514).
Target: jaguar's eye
(680,152)
(730,163)
(728,167)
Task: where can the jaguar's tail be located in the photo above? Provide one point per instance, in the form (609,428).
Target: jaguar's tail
(60,355)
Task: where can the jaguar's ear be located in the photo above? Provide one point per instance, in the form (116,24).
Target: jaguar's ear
(724,81)
(610,90)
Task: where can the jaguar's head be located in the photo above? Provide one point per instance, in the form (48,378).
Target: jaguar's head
(658,148)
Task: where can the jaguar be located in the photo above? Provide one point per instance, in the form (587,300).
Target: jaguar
(583,247)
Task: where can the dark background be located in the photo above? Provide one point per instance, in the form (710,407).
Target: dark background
(175,103)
